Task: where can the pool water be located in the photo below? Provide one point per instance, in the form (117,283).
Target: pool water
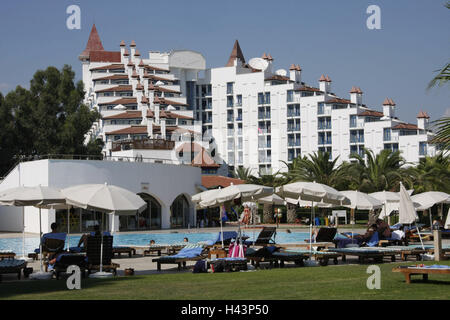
(142,239)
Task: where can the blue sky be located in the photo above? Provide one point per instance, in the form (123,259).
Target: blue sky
(325,36)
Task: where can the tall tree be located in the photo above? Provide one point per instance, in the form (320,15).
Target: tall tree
(383,171)
(432,174)
(318,167)
(49,118)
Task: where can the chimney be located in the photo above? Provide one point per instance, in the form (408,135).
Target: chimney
(388,108)
(150,128)
(132,49)
(139,94)
(423,120)
(122,51)
(356,95)
(144,110)
(134,80)
(130,67)
(156,112)
(292,71)
(141,68)
(324,84)
(163,127)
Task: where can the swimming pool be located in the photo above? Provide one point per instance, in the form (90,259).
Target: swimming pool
(142,239)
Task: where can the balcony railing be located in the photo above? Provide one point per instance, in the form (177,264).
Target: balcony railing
(147,144)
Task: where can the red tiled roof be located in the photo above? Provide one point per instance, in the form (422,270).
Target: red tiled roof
(164,101)
(306,88)
(113,77)
(423,114)
(278,77)
(212,181)
(109,67)
(94,43)
(186,147)
(149,67)
(338,100)
(125,115)
(292,67)
(322,78)
(204,160)
(133,44)
(162,89)
(264,56)
(298,67)
(104,56)
(371,113)
(122,43)
(236,53)
(356,90)
(123,101)
(269,57)
(407,126)
(130,130)
(327,79)
(117,89)
(137,53)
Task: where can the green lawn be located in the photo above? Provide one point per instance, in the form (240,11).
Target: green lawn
(331,282)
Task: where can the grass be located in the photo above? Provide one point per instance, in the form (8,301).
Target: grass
(331,282)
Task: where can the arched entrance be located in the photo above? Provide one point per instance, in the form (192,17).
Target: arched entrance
(179,213)
(149,219)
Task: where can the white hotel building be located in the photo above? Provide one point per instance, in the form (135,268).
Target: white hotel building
(260,117)
(246,114)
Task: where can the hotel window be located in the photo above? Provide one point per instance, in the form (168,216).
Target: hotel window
(290,96)
(230,101)
(320,108)
(230,87)
(387,134)
(239,100)
(353,121)
(291,154)
(267,98)
(422,148)
(261,98)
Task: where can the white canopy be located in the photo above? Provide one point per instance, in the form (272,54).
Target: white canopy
(406,210)
(272,199)
(245,192)
(361,200)
(206,196)
(430,198)
(104,198)
(312,191)
(31,196)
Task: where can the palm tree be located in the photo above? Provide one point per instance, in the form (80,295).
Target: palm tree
(432,174)
(320,169)
(270,180)
(381,172)
(442,137)
(444,74)
(243,173)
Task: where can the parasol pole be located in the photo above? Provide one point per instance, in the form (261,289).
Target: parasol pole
(68,226)
(40,239)
(221,227)
(23,232)
(101,245)
(310,226)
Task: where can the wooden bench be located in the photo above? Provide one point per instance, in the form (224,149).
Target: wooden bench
(409,271)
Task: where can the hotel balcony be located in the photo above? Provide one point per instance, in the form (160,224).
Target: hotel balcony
(144,144)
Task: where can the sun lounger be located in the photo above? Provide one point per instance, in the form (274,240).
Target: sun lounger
(93,254)
(12,266)
(422,270)
(363,253)
(265,237)
(7,254)
(322,256)
(169,248)
(217,239)
(126,250)
(189,253)
(64,260)
(228,264)
(325,234)
(264,254)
